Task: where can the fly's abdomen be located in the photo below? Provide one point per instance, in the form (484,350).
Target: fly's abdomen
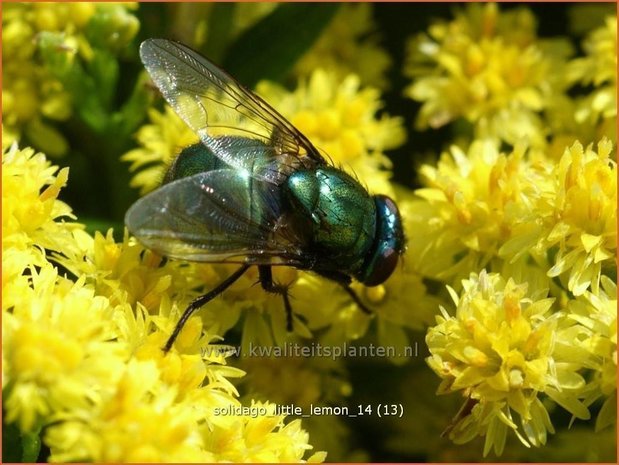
(341,213)
(193,159)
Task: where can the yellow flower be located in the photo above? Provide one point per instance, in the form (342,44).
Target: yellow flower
(161,141)
(499,349)
(600,64)
(58,347)
(488,68)
(32,95)
(32,216)
(258,438)
(339,118)
(348,45)
(598,68)
(140,421)
(125,272)
(585,209)
(468,209)
(597,314)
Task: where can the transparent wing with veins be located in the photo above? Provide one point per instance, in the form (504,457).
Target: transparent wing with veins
(213,104)
(218,216)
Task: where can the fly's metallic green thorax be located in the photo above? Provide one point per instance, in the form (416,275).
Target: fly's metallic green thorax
(254,190)
(343,215)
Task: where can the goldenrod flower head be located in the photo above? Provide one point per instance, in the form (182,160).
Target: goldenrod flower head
(125,272)
(596,314)
(499,349)
(600,65)
(598,68)
(470,204)
(161,141)
(258,438)
(32,216)
(339,118)
(138,422)
(347,46)
(58,348)
(478,68)
(32,93)
(583,220)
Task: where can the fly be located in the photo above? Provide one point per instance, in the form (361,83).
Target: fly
(255,191)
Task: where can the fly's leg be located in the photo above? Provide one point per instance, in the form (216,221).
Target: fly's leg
(199,302)
(353,295)
(344,281)
(266,279)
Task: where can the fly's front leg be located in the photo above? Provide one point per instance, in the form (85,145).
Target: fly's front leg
(353,295)
(344,281)
(266,280)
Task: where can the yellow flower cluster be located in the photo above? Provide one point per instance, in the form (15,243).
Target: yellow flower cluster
(160,142)
(501,350)
(586,199)
(542,214)
(484,205)
(536,216)
(471,203)
(598,68)
(339,118)
(83,357)
(595,315)
(33,97)
(528,218)
(488,68)
(348,46)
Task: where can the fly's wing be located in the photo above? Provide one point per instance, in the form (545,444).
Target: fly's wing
(213,104)
(217,216)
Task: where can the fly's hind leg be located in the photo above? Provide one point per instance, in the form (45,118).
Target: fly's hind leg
(199,302)
(266,280)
